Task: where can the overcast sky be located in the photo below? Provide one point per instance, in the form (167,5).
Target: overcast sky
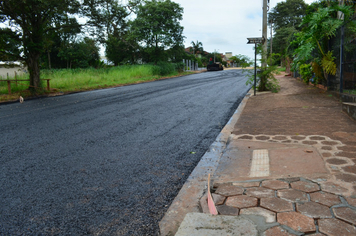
(225,25)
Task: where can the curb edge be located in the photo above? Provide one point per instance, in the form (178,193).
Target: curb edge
(193,189)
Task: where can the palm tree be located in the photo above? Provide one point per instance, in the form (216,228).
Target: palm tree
(196,47)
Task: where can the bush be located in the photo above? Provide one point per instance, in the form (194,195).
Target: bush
(167,68)
(179,66)
(306,72)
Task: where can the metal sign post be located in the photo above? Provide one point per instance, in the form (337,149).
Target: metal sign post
(255,41)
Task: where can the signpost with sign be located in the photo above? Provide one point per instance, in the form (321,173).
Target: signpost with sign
(255,41)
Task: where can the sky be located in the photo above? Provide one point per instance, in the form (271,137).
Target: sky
(224,26)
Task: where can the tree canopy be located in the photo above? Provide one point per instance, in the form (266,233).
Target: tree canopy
(288,14)
(197,47)
(29,22)
(157,28)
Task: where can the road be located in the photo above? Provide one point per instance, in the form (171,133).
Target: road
(110,161)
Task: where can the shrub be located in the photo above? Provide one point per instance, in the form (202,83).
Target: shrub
(306,72)
(166,68)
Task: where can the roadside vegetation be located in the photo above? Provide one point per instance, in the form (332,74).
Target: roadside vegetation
(73,80)
(302,39)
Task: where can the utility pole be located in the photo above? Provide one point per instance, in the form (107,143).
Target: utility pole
(264,33)
(271,41)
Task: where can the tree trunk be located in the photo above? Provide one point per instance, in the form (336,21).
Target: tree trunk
(34,70)
(49,60)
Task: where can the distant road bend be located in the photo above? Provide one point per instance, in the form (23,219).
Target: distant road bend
(110,161)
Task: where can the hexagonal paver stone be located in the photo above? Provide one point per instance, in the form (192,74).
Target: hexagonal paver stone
(275,184)
(329,143)
(218,199)
(328,148)
(269,216)
(262,137)
(241,201)
(277,231)
(245,137)
(327,199)
(351,200)
(276,204)
(345,214)
(297,221)
(292,195)
(298,137)
(333,188)
(316,138)
(229,190)
(260,192)
(314,210)
(350,178)
(326,154)
(279,137)
(336,161)
(227,210)
(247,184)
(310,142)
(304,186)
(335,227)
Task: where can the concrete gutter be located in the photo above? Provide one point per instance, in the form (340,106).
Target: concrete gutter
(194,188)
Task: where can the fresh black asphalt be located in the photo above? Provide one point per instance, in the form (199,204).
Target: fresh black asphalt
(110,161)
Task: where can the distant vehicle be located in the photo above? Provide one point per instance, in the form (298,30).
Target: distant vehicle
(215,66)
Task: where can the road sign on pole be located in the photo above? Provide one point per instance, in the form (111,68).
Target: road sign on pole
(255,41)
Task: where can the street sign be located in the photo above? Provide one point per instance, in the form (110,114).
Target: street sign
(255,40)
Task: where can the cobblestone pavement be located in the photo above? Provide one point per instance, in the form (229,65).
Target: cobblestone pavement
(292,206)
(302,110)
(300,115)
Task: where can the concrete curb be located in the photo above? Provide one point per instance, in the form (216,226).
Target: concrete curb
(188,197)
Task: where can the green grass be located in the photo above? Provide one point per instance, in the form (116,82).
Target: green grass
(281,69)
(74,80)
(353,92)
(84,79)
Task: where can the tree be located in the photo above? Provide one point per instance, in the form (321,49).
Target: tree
(9,45)
(286,23)
(288,14)
(197,47)
(81,54)
(312,42)
(30,20)
(157,28)
(120,49)
(241,60)
(104,17)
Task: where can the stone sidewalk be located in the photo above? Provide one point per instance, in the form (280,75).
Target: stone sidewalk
(290,161)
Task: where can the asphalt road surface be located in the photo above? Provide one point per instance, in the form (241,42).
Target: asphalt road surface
(111,161)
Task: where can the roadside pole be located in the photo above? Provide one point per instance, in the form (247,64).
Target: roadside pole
(264,33)
(255,82)
(255,41)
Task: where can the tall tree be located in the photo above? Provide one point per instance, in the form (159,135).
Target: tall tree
(80,54)
(30,20)
(288,14)
(197,47)
(104,17)
(286,18)
(157,28)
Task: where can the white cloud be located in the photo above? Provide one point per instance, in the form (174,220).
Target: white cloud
(223,25)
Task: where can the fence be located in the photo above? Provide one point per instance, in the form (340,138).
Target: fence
(343,46)
(190,65)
